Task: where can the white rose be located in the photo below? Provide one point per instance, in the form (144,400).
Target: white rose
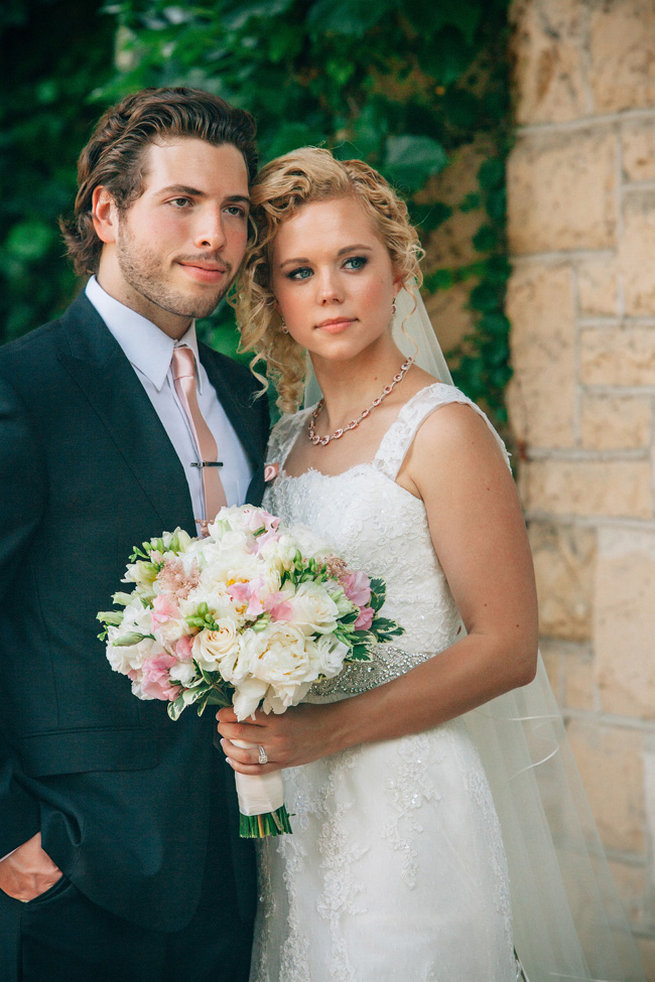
(314,609)
(218,651)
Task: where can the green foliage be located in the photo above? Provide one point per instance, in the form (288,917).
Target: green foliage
(400,83)
(54,54)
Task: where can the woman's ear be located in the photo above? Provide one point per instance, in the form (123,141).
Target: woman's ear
(104,214)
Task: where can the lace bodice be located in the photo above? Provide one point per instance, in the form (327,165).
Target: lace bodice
(376,524)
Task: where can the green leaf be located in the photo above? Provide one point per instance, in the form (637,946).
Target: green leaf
(411,160)
(29,241)
(350,17)
(491,174)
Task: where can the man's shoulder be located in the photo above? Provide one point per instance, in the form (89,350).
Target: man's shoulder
(45,340)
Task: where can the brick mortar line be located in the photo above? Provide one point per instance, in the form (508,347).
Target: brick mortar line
(586,122)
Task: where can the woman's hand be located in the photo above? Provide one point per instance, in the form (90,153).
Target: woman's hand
(302,734)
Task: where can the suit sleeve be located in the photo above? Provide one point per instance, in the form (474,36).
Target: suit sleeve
(23,490)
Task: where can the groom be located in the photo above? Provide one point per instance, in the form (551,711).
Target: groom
(118,843)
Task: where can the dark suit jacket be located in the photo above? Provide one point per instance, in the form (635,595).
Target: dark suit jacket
(120,793)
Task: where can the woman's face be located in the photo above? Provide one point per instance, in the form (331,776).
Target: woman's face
(333,279)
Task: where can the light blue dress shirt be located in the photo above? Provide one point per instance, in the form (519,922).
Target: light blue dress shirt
(149,351)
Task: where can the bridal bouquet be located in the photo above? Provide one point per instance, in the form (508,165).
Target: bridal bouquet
(250,615)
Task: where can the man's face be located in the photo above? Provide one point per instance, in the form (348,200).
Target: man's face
(172,254)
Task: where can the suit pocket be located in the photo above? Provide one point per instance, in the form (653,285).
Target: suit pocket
(55,892)
(82,751)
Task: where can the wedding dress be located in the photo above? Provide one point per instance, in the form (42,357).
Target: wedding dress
(396,868)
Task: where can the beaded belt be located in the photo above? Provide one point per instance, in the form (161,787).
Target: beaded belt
(387,663)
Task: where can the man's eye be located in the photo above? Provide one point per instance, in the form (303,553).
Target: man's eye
(237,211)
(180,202)
(355,262)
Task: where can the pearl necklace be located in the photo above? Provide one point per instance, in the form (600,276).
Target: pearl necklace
(322,441)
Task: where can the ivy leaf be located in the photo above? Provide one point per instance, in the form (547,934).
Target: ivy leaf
(30,240)
(351,17)
(411,160)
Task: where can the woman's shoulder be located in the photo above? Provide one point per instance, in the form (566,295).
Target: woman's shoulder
(419,423)
(458,421)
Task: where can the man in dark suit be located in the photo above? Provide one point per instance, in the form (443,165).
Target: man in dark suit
(119,856)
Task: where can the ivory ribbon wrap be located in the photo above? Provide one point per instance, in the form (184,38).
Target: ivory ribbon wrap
(258,793)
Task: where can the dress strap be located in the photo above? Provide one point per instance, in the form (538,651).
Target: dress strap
(400,435)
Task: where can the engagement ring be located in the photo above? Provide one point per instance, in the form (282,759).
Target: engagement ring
(263,756)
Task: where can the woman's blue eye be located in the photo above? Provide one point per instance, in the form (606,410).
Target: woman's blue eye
(355,262)
(302,273)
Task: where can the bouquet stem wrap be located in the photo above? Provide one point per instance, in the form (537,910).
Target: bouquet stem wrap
(261,802)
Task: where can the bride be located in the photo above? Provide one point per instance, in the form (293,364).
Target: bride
(421,848)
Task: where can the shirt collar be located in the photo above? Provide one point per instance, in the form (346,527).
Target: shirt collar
(145,346)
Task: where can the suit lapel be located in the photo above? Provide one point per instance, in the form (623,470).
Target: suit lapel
(96,362)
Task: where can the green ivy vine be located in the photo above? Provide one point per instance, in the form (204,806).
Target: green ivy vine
(402,84)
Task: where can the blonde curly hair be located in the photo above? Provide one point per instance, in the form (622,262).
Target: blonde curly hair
(282,187)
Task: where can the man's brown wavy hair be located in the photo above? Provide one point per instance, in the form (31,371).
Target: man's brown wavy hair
(114,156)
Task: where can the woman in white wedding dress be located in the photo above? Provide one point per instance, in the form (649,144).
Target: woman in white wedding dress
(396,868)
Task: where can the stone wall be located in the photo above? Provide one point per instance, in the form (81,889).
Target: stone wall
(581,184)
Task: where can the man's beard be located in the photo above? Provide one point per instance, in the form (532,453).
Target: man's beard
(142,271)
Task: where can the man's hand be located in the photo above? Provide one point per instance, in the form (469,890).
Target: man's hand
(28,871)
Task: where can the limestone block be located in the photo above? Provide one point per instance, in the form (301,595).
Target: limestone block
(614,422)
(632,884)
(594,488)
(636,249)
(598,291)
(548,52)
(618,356)
(646,948)
(562,191)
(450,315)
(638,149)
(570,669)
(622,54)
(624,621)
(540,307)
(564,560)
(611,764)
(551,654)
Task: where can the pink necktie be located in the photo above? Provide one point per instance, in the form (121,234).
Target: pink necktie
(183,367)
